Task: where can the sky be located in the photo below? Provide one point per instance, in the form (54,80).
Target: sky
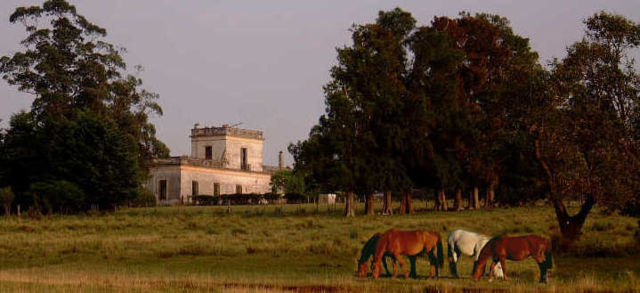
(263,63)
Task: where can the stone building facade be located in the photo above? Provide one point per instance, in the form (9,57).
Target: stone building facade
(224,160)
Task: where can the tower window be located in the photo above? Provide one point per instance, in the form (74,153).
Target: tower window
(208,153)
(243,159)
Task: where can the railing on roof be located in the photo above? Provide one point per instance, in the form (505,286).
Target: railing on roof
(226,131)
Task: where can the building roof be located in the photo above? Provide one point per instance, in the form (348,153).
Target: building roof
(226,130)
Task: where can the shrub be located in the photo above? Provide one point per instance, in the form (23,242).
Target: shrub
(145,198)
(6,199)
(58,196)
(295,198)
(205,200)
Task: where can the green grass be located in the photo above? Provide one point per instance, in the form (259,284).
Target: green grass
(285,248)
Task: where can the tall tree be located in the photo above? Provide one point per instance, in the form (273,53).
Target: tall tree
(586,134)
(78,80)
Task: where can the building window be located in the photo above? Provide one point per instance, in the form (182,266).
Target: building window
(162,189)
(208,153)
(216,189)
(194,187)
(238,189)
(243,159)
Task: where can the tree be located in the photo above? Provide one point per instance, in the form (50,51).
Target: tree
(83,100)
(586,133)
(287,181)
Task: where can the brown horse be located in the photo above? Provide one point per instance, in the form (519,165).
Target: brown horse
(409,243)
(514,248)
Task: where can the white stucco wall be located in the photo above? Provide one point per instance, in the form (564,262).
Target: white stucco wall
(172,175)
(198,145)
(254,153)
(251,182)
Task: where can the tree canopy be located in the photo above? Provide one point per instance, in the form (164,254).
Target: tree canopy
(88,125)
(462,104)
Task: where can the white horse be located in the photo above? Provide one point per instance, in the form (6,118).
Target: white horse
(467,243)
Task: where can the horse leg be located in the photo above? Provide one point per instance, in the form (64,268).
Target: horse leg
(413,273)
(540,259)
(504,267)
(384,263)
(401,264)
(492,269)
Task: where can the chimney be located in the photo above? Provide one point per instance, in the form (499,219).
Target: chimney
(281,160)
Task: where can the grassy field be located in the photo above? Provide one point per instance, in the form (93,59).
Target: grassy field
(285,248)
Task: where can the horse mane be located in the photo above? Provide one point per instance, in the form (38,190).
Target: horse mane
(369,248)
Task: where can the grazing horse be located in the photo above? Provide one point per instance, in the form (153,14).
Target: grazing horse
(409,243)
(369,250)
(461,242)
(514,248)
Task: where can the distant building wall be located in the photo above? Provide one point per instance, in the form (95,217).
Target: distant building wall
(177,176)
(172,176)
(228,179)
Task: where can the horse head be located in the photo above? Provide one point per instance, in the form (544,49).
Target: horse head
(362,269)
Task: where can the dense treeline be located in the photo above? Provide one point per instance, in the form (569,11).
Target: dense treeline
(86,142)
(462,107)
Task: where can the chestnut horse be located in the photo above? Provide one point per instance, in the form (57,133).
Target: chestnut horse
(409,243)
(369,250)
(517,248)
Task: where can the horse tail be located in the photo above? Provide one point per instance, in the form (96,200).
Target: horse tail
(440,252)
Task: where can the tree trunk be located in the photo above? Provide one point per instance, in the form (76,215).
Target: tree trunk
(386,205)
(571,226)
(474,199)
(445,206)
(457,205)
(7,210)
(368,205)
(441,201)
(405,206)
(490,196)
(349,206)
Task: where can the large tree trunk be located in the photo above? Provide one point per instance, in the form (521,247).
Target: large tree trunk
(571,226)
(457,205)
(349,208)
(474,200)
(368,204)
(441,201)
(386,205)
(405,206)
(490,196)
(7,210)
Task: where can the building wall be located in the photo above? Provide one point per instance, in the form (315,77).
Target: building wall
(198,144)
(251,182)
(180,178)
(172,175)
(233,146)
(254,153)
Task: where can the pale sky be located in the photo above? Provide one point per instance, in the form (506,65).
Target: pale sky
(263,63)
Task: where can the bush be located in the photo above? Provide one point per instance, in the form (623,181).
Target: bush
(6,199)
(145,198)
(58,196)
(205,200)
(295,198)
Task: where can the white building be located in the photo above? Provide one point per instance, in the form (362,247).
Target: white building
(224,160)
